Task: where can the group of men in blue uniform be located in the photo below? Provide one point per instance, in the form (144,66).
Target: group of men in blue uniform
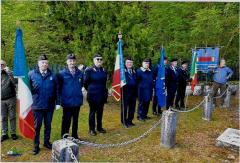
(140,84)
(51,91)
(64,89)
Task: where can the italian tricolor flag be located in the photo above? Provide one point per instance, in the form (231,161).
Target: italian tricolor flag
(119,79)
(193,73)
(20,71)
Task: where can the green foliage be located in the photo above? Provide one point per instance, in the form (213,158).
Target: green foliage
(85,28)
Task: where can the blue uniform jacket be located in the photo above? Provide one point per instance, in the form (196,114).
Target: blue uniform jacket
(95,83)
(222,74)
(44,89)
(130,89)
(70,88)
(183,77)
(145,84)
(171,78)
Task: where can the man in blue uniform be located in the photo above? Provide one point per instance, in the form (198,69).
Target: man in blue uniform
(44,89)
(95,83)
(129,94)
(70,83)
(171,82)
(145,89)
(155,100)
(183,78)
(220,78)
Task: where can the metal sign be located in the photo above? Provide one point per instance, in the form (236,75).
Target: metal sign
(207,58)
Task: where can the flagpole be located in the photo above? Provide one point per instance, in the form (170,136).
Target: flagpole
(121,89)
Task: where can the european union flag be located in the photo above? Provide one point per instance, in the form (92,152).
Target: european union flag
(160,82)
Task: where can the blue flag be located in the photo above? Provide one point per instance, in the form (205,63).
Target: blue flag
(160,81)
(122,71)
(20,68)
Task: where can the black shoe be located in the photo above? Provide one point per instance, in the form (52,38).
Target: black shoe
(36,150)
(4,137)
(48,145)
(76,137)
(14,137)
(141,119)
(92,132)
(148,117)
(131,124)
(159,112)
(102,130)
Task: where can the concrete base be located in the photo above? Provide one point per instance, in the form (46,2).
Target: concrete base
(61,153)
(168,129)
(230,138)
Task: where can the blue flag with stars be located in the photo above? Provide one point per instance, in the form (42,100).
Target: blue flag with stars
(160,81)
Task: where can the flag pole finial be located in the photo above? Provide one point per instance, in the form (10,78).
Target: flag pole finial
(18,23)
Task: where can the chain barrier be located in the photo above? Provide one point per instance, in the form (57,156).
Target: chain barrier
(54,157)
(222,93)
(186,111)
(71,153)
(96,145)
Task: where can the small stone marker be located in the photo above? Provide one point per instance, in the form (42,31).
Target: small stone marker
(188,91)
(61,153)
(198,90)
(168,129)
(229,138)
(227,99)
(207,108)
(233,89)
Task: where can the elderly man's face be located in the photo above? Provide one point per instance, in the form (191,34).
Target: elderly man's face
(129,64)
(185,66)
(145,65)
(71,63)
(165,62)
(98,61)
(43,65)
(2,66)
(222,62)
(174,64)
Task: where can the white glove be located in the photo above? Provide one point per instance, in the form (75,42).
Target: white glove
(58,107)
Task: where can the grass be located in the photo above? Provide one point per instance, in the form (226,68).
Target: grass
(195,138)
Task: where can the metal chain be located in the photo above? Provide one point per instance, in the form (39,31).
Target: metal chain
(71,153)
(54,156)
(96,145)
(185,111)
(222,93)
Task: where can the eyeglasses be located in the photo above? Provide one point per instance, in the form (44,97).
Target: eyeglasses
(99,59)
